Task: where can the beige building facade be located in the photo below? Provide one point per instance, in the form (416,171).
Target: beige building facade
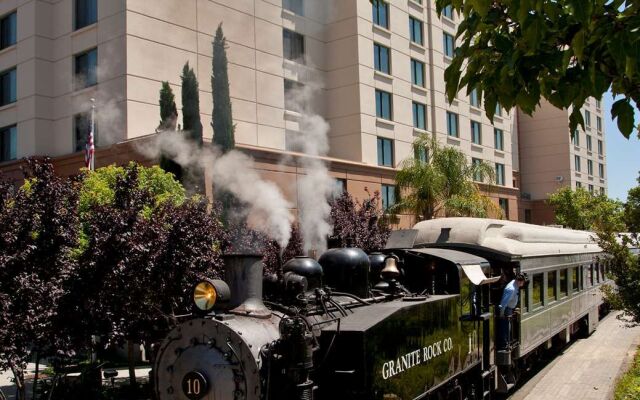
(375,73)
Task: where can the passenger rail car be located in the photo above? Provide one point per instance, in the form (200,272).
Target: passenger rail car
(565,270)
(417,321)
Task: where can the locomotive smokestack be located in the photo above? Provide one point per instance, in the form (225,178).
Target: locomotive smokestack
(243,273)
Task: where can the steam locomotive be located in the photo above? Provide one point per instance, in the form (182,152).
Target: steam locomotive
(416,321)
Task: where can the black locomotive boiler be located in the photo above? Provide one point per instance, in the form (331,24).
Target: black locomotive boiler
(416,321)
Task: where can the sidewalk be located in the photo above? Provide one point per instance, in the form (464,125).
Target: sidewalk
(9,388)
(588,369)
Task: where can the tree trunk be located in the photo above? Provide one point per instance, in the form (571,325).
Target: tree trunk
(34,391)
(132,366)
(18,375)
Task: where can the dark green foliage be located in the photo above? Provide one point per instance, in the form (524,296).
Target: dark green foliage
(222,122)
(38,230)
(168,121)
(191,105)
(519,51)
(168,109)
(358,224)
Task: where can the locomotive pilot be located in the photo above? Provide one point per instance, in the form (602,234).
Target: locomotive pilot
(508,303)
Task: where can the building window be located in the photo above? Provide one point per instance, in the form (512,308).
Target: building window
(415,30)
(591,189)
(419,116)
(417,72)
(537,295)
(590,167)
(383,105)
(576,162)
(498,138)
(578,185)
(385,152)
(504,206)
(477,175)
(8,143)
(474,98)
(388,196)
(598,104)
(381,58)
(293,45)
(500,179)
(420,153)
(292,95)
(575,139)
(86,69)
(8,30)
(86,13)
(339,187)
(498,110)
(599,124)
(8,91)
(527,215)
(601,170)
(589,143)
(447,12)
(600,147)
(452,124)
(448,45)
(295,6)
(380,13)
(587,118)
(476,132)
(602,192)
(551,286)
(82,126)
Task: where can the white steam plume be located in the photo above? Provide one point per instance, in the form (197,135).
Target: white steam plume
(266,208)
(316,185)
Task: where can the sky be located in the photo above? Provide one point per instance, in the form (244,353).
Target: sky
(623,156)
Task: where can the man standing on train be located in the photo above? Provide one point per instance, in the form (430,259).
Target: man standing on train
(508,303)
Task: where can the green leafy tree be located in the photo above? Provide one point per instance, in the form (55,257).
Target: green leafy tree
(579,209)
(168,121)
(222,122)
(519,51)
(440,181)
(146,244)
(632,209)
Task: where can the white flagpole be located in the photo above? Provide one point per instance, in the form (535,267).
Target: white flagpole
(92,137)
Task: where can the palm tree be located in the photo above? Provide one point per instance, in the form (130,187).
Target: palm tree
(439,181)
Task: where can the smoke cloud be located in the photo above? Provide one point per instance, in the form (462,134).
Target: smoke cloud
(265,206)
(316,186)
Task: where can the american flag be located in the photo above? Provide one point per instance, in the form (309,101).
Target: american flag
(90,149)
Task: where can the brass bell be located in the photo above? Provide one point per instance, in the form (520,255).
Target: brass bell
(390,270)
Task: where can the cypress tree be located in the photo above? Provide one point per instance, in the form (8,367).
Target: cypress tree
(168,120)
(191,105)
(168,109)
(222,121)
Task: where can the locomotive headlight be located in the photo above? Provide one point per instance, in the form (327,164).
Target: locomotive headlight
(210,293)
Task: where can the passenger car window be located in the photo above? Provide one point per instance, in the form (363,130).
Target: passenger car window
(551,286)
(564,283)
(536,298)
(574,280)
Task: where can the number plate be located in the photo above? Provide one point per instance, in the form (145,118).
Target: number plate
(195,385)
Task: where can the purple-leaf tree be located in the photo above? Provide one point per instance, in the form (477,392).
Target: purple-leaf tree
(38,231)
(358,224)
